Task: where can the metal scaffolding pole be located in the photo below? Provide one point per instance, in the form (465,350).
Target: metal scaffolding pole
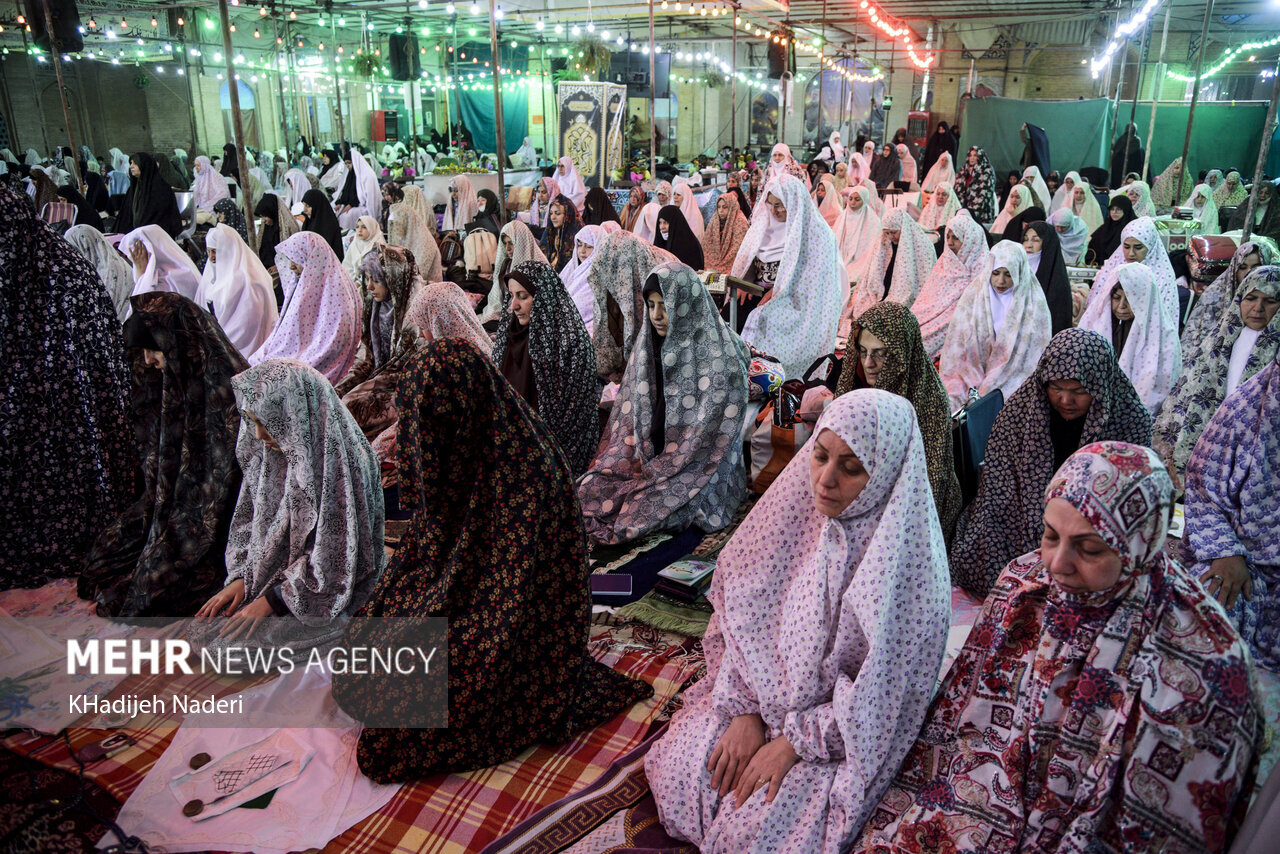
(1155,94)
(62,94)
(237,123)
(1195,97)
(733,91)
(653,115)
(1267,132)
(494,61)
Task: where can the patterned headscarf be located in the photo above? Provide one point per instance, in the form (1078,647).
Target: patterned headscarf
(830,628)
(948,280)
(977,187)
(458,214)
(1217,298)
(208,186)
(406,228)
(724,234)
(935,215)
(320,319)
(524,248)
(1169,188)
(1152,355)
(1143,205)
(1006,518)
(442,310)
(416,199)
(115,272)
(974,354)
(1203,385)
(563,362)
(1052,729)
(496,547)
(67,453)
(913,260)
(1157,261)
(1074,238)
(620,266)
(800,321)
(1231,503)
(1225,195)
(164,555)
(908,371)
(230,213)
(309,520)
(238,290)
(696,478)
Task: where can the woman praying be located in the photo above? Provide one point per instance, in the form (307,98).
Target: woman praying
(963,254)
(164,554)
(496,546)
(1077,394)
(671,455)
(675,236)
(723,237)
(887,352)
(559,239)
(237,290)
(1052,730)
(1134,321)
(998,330)
(542,348)
(306,537)
(320,318)
(831,615)
(159,264)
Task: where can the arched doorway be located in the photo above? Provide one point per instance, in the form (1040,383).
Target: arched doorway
(248,113)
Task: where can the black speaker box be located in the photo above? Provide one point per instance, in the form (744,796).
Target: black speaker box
(66,24)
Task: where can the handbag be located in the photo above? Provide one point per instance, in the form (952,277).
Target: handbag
(779,431)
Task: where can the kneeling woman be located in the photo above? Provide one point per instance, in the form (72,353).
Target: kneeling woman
(163,556)
(496,547)
(369,390)
(306,536)
(1101,701)
(672,456)
(832,606)
(543,350)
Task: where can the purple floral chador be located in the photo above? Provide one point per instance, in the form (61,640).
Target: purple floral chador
(1125,719)
(832,630)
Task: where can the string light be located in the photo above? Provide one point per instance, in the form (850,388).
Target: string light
(1121,36)
(1226,59)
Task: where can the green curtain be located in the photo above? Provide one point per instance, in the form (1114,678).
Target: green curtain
(1224,135)
(476,108)
(1079,131)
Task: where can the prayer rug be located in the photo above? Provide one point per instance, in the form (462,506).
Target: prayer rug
(609,558)
(664,611)
(453,813)
(47,809)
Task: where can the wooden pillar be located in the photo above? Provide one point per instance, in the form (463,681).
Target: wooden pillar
(499,129)
(233,87)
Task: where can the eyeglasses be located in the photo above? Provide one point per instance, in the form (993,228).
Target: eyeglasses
(876,356)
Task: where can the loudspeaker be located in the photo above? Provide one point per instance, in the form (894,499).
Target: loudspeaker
(403,58)
(777,58)
(66,24)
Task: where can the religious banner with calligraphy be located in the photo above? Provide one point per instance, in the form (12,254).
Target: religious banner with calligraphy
(592,116)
